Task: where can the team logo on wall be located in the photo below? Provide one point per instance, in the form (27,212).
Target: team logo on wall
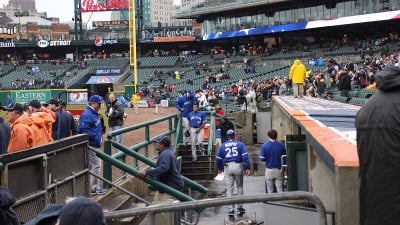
(43,43)
(98,42)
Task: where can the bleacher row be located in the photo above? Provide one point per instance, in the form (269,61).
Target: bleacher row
(149,64)
(59,71)
(356,96)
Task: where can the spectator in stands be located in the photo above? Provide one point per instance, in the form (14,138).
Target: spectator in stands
(115,112)
(225,125)
(136,102)
(166,169)
(5,133)
(64,125)
(21,132)
(298,75)
(271,153)
(283,86)
(321,88)
(82,211)
(90,123)
(378,140)
(184,104)
(344,84)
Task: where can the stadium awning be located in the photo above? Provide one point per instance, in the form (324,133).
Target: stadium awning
(102,79)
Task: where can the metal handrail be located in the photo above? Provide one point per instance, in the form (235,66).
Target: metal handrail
(151,163)
(161,186)
(201,204)
(121,189)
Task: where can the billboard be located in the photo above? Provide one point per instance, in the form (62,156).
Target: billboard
(103,5)
(174,39)
(27,96)
(102,79)
(77,97)
(113,23)
(108,71)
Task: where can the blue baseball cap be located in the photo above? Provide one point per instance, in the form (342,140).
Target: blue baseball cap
(95,99)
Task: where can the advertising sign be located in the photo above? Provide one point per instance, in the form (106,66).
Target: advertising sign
(77,97)
(7,44)
(102,79)
(108,71)
(173,39)
(100,42)
(27,96)
(46,43)
(113,23)
(103,5)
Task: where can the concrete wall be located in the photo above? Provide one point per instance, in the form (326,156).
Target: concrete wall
(321,180)
(347,195)
(336,186)
(245,119)
(282,122)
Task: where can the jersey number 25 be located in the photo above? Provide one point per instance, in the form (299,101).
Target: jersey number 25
(231,152)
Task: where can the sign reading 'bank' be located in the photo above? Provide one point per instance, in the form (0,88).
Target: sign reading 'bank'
(46,43)
(7,44)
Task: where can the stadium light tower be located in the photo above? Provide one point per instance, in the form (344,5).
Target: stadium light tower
(132,43)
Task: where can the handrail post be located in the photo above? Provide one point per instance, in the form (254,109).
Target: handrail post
(107,170)
(147,138)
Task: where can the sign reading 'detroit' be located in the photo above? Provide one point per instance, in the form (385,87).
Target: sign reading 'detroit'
(46,43)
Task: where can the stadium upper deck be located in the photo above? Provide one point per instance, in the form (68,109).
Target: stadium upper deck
(229,19)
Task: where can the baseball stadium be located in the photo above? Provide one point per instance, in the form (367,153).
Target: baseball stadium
(137,114)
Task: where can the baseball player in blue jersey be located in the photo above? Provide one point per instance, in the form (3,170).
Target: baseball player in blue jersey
(184,104)
(271,153)
(232,157)
(197,121)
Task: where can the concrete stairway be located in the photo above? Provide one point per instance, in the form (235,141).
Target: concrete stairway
(203,169)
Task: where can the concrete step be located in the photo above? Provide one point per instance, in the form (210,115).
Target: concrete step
(200,176)
(115,203)
(185,171)
(133,219)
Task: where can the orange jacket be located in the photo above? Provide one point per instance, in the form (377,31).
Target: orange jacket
(41,123)
(21,135)
(49,118)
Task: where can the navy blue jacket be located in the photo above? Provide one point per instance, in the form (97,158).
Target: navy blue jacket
(166,170)
(90,123)
(7,214)
(5,133)
(67,122)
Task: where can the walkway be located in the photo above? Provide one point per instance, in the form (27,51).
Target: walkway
(253,185)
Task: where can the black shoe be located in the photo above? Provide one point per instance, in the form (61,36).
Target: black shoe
(241,211)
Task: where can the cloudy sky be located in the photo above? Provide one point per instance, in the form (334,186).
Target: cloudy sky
(63,9)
